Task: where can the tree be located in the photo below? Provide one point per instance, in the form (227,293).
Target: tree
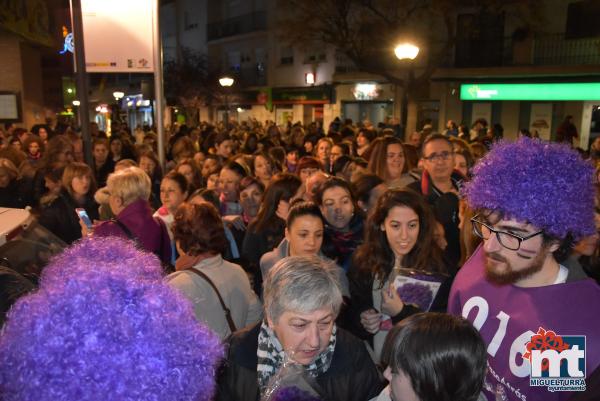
(191,83)
(366,31)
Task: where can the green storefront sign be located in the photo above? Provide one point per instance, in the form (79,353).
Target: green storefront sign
(543,91)
(316,94)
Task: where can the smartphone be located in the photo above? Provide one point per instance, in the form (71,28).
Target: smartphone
(84,217)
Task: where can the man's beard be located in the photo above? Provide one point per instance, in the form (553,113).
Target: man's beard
(509,275)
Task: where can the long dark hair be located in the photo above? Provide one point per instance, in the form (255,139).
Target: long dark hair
(283,187)
(376,257)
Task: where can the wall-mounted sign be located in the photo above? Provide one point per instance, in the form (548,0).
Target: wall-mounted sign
(544,91)
(118,35)
(68,45)
(366,91)
(10,106)
(305,95)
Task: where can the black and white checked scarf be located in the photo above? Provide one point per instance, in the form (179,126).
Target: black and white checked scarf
(270,355)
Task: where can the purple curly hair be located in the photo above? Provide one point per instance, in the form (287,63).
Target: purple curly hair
(546,184)
(105,326)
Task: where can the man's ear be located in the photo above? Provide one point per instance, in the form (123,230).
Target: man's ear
(554,245)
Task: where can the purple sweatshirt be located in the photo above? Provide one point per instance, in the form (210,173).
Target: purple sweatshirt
(507,316)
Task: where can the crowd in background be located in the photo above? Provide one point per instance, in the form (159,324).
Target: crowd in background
(235,202)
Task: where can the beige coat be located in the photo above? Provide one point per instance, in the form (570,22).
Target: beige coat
(234,286)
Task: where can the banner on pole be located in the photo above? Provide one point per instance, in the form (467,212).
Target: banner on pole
(118,35)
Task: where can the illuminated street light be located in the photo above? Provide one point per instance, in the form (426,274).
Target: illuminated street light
(118,95)
(226,81)
(406,51)
(76,102)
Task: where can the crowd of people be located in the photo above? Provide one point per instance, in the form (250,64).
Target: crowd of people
(348,263)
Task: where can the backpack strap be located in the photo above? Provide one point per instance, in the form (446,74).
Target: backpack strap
(230,321)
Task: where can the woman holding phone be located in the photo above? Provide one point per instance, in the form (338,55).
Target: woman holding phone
(77,193)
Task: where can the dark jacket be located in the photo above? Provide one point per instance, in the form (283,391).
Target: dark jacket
(257,243)
(352,375)
(445,208)
(101,173)
(61,219)
(17,194)
(340,246)
(361,299)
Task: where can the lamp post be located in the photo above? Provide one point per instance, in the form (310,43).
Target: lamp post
(76,103)
(118,95)
(406,51)
(226,82)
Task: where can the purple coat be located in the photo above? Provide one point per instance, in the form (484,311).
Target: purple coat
(150,233)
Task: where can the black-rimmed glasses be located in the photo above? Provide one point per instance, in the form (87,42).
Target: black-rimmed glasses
(508,240)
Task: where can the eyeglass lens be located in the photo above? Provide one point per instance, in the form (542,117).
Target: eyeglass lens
(505,239)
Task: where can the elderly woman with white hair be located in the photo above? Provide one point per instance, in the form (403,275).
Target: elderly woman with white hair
(129,194)
(302,298)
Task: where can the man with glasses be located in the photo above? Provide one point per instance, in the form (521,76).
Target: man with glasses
(533,201)
(440,185)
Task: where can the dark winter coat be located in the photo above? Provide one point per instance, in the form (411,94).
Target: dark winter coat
(352,375)
(61,219)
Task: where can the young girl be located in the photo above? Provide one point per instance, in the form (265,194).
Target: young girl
(345,221)
(173,192)
(433,357)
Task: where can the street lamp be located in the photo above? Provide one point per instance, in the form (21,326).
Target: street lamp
(406,51)
(226,82)
(118,95)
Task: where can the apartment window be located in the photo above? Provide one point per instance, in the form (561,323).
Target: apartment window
(260,55)
(234,60)
(315,56)
(189,22)
(582,19)
(287,56)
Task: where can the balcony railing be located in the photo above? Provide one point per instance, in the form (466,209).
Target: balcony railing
(542,50)
(239,25)
(556,50)
(250,76)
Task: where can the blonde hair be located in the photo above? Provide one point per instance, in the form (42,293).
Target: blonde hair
(73,170)
(9,167)
(129,184)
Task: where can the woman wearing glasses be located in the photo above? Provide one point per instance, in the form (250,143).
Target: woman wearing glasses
(399,235)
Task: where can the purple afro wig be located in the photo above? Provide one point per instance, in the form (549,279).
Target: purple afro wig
(546,184)
(105,326)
